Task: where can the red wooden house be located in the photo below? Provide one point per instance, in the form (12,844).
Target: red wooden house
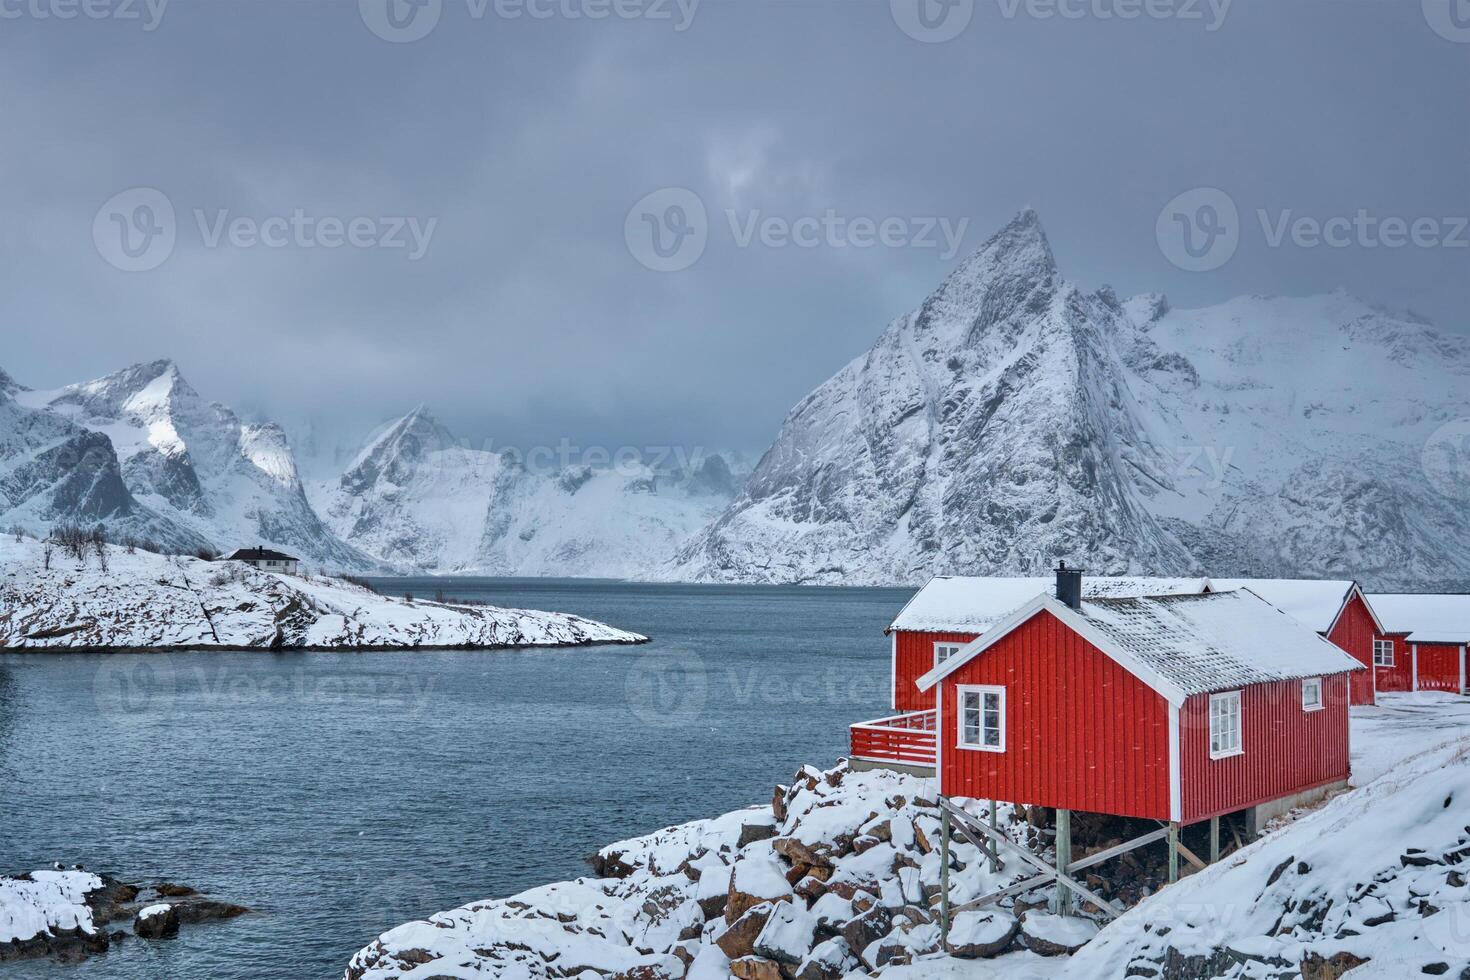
(1423,648)
(1177,708)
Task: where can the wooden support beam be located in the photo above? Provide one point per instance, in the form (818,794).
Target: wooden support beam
(1123,848)
(1019,888)
(1190,856)
(995,851)
(963,822)
(1214,839)
(1173,853)
(1064,860)
(943,877)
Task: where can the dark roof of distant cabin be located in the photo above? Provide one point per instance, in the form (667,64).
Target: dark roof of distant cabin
(260,554)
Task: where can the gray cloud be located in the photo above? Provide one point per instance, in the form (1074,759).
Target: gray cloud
(528,320)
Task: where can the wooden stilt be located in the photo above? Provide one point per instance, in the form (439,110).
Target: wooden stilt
(994,851)
(1214,839)
(944,878)
(1173,853)
(1064,860)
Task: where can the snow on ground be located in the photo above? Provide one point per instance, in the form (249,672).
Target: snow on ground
(144,600)
(44,903)
(835,878)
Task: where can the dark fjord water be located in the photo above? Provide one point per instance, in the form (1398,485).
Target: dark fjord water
(343,794)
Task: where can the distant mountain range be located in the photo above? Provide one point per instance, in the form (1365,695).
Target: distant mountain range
(1011,420)
(1014,419)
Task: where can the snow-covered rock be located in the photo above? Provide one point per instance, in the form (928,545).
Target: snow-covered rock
(416,496)
(46,904)
(148,601)
(1014,419)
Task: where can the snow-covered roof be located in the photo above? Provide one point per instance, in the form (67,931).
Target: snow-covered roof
(973,604)
(1315,602)
(1182,644)
(1426,617)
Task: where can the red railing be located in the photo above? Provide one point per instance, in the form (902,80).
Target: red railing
(909,739)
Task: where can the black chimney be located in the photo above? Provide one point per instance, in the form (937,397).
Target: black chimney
(1069,585)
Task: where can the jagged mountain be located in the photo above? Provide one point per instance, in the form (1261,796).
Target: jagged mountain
(142,453)
(417,497)
(1014,419)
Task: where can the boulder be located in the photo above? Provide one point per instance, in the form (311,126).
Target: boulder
(752,832)
(755,879)
(831,960)
(713,891)
(755,968)
(157,921)
(788,934)
(739,938)
(1056,935)
(865,930)
(1316,967)
(798,853)
(982,933)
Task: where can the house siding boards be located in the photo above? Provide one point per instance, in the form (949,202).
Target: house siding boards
(914,657)
(1439,667)
(1286,749)
(1355,632)
(1081,731)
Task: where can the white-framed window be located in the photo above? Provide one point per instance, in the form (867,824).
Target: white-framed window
(982,718)
(1225,725)
(1383,653)
(1312,694)
(943,651)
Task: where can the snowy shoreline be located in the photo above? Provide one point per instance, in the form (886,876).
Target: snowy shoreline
(838,877)
(113,600)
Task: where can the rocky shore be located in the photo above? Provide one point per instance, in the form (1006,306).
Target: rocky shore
(68,914)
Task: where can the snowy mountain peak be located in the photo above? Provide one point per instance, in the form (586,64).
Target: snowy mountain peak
(8,385)
(396,449)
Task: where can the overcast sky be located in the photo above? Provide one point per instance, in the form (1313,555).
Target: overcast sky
(517,147)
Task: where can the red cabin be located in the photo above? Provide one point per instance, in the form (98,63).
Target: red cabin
(1176,708)
(1424,645)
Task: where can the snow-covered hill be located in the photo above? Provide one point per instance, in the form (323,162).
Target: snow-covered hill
(416,496)
(160,463)
(148,601)
(1014,419)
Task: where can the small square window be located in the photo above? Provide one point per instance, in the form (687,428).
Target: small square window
(1312,694)
(1225,725)
(982,721)
(1383,653)
(943,651)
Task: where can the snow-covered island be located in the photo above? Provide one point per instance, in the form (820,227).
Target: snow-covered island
(839,877)
(114,599)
